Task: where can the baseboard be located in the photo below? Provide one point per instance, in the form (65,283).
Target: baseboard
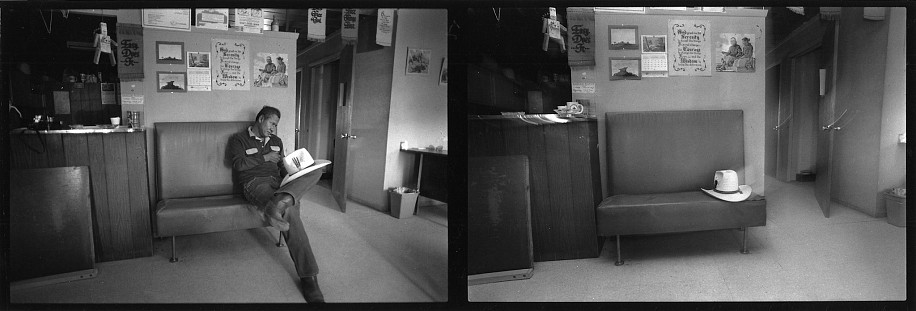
(501,276)
(54,279)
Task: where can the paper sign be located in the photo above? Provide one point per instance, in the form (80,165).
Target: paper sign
(61,102)
(131,99)
(171,19)
(349,25)
(317,24)
(688,48)
(231,63)
(246,20)
(583,87)
(213,19)
(581,37)
(384,27)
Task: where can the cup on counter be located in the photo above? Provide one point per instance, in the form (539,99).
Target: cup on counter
(116,121)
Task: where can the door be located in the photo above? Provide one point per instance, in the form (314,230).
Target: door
(301,112)
(317,119)
(805,102)
(826,122)
(341,151)
(342,134)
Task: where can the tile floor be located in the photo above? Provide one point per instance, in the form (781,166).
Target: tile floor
(798,256)
(364,256)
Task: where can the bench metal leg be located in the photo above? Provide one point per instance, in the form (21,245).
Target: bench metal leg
(619,261)
(174,254)
(744,243)
(280,241)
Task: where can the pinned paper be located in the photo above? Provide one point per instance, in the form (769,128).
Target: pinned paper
(349,25)
(581,37)
(317,25)
(384,27)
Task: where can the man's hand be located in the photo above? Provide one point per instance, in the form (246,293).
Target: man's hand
(273,156)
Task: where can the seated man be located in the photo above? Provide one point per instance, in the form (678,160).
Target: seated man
(256,155)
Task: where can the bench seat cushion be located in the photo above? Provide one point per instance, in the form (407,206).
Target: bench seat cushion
(676,212)
(207,214)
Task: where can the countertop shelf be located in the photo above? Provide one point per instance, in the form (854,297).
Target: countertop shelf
(120,129)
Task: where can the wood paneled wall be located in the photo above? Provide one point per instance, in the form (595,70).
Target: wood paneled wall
(564,176)
(117,168)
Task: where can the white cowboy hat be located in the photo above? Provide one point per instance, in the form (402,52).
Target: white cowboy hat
(299,163)
(727,188)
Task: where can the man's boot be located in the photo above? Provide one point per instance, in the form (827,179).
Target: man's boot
(310,290)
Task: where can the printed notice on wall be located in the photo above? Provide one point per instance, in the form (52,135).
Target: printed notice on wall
(586,88)
(171,19)
(384,27)
(213,19)
(688,48)
(231,66)
(131,99)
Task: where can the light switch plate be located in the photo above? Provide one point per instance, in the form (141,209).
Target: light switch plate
(902,138)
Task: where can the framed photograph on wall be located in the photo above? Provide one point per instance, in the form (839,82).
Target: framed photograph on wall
(199,59)
(169,52)
(624,68)
(418,61)
(654,43)
(169,81)
(623,37)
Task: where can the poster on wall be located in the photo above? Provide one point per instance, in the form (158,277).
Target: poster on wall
(581,37)
(246,20)
(418,61)
(735,52)
(199,71)
(349,25)
(171,19)
(213,18)
(230,64)
(317,26)
(688,48)
(271,70)
(130,49)
(384,27)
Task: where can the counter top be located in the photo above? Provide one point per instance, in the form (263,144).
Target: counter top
(536,119)
(426,151)
(92,130)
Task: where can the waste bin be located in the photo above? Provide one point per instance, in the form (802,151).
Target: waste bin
(896,209)
(403,201)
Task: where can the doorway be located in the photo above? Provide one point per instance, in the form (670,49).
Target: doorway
(318,119)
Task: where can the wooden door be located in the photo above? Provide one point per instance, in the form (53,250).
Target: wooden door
(826,122)
(342,134)
(339,183)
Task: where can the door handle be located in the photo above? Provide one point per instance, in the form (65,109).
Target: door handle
(826,127)
(347,136)
(782,123)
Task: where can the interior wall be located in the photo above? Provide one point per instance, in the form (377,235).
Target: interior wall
(743,91)
(371,103)
(860,85)
(216,105)
(419,104)
(892,154)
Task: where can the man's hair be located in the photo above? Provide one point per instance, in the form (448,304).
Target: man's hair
(267,111)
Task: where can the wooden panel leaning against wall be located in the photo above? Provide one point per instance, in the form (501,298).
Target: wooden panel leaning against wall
(118,175)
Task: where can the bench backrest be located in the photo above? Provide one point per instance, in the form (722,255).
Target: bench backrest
(191,159)
(672,151)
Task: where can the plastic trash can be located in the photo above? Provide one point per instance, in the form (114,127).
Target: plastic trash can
(896,209)
(403,201)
